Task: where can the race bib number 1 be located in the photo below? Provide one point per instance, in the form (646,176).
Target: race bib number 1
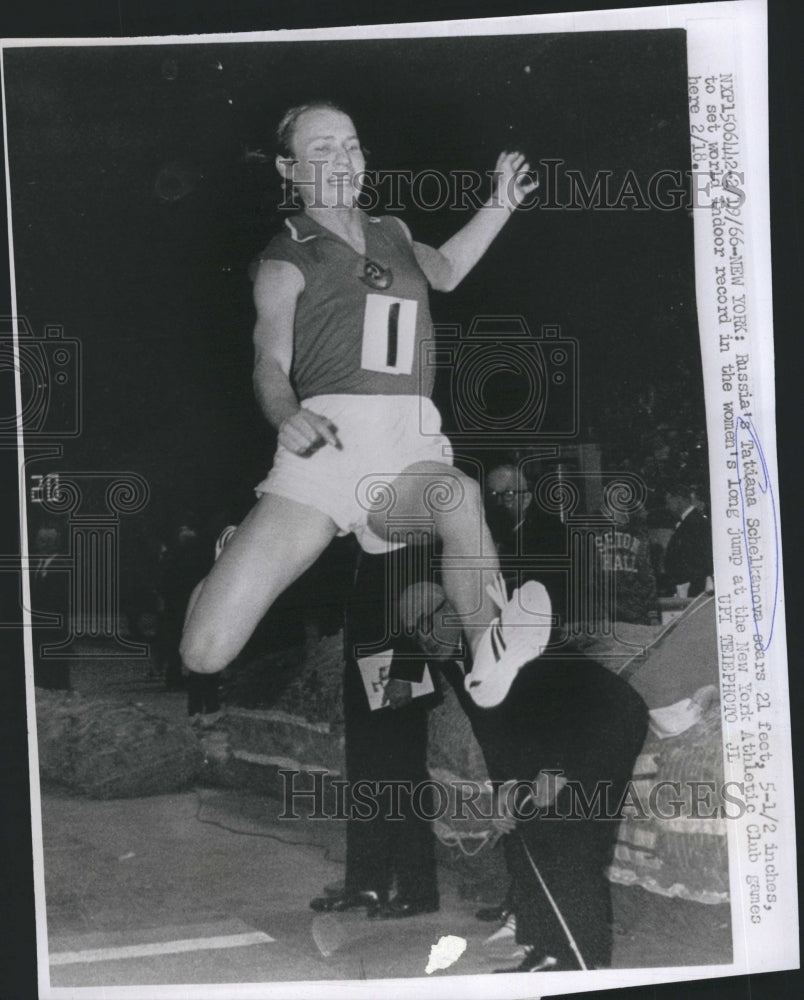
(389,334)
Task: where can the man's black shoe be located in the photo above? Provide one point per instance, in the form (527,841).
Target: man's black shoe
(367,900)
(534,961)
(493,914)
(396,908)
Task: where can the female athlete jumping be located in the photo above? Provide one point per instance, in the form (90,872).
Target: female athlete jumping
(342,309)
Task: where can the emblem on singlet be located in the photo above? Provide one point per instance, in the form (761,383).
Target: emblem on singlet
(376,276)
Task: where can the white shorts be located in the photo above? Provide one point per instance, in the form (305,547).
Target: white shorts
(380,437)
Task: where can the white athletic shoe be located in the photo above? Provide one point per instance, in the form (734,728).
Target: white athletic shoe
(516,637)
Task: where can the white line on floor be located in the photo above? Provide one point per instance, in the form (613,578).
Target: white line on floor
(159,948)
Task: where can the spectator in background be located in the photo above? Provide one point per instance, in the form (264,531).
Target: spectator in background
(48,597)
(624,553)
(141,556)
(525,535)
(688,564)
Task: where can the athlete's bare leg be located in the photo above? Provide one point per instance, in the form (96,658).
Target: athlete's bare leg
(275,544)
(192,602)
(452,503)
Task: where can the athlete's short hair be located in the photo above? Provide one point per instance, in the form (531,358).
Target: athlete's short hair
(286,128)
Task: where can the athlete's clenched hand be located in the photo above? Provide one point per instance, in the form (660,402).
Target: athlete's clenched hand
(304,432)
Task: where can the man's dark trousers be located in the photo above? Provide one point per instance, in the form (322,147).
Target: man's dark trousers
(384,745)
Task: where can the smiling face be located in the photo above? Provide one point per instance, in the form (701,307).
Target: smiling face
(328,162)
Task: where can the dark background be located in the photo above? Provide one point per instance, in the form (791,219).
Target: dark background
(17,978)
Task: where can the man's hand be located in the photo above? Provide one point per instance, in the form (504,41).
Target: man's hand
(546,787)
(304,432)
(503,819)
(514,180)
(397,693)
(544,790)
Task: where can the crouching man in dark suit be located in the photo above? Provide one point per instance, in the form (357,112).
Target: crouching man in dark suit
(561,746)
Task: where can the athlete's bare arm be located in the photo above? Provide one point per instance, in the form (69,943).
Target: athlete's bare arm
(446,267)
(277,287)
